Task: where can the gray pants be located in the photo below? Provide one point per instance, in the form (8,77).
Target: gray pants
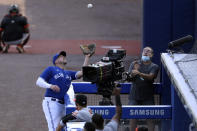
(16,42)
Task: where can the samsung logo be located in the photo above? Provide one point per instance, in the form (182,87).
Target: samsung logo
(147,112)
(101,112)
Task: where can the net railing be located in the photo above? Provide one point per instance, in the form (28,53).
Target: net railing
(188,68)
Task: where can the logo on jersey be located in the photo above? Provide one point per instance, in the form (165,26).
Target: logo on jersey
(59,75)
(68,77)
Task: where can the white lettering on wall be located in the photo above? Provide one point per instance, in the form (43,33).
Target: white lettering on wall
(147,112)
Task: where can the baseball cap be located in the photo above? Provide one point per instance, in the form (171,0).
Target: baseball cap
(63,53)
(81,100)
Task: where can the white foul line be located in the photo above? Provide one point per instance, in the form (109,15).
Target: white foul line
(26,46)
(111,47)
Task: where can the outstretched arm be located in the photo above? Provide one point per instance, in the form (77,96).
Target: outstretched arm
(86,61)
(118,114)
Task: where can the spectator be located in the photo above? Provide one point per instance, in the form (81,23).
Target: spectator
(142,129)
(89,126)
(98,120)
(82,113)
(142,92)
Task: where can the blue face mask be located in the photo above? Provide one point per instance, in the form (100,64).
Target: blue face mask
(145,58)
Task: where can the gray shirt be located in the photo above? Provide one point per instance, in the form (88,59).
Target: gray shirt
(84,115)
(111,126)
(143,88)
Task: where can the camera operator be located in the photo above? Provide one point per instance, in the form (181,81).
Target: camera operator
(98,120)
(142,92)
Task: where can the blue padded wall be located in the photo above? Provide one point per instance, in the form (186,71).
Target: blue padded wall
(183,20)
(195,13)
(165,21)
(157,22)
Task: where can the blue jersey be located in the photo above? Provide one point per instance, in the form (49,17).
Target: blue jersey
(57,76)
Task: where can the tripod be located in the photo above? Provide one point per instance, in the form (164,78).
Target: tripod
(105,89)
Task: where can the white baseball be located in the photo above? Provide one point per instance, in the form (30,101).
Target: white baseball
(89,5)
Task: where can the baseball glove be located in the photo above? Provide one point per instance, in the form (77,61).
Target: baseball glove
(88,49)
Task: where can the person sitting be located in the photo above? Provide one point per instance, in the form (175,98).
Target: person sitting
(82,112)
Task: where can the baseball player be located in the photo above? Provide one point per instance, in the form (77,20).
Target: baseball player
(82,113)
(14,30)
(56,80)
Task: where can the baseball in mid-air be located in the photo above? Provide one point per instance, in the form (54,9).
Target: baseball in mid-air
(89,5)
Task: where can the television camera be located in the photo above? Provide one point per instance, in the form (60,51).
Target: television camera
(105,72)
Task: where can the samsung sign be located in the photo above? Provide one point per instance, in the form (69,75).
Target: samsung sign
(105,112)
(130,112)
(147,112)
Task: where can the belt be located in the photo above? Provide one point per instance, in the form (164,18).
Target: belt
(54,99)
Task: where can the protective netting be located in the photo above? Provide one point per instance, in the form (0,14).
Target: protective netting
(188,68)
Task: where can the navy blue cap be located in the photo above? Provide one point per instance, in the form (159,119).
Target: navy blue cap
(63,53)
(81,99)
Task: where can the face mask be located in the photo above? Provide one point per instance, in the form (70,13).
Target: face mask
(145,58)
